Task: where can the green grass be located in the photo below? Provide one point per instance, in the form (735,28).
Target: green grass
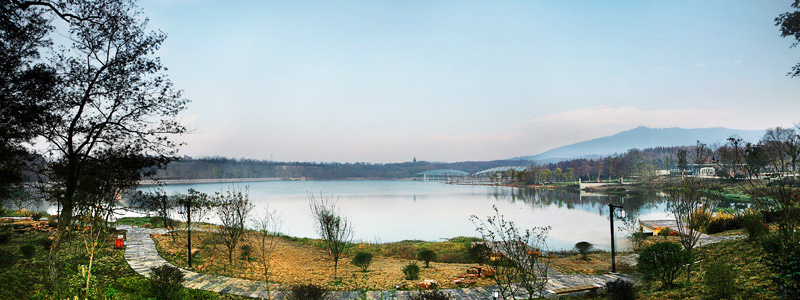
(141,221)
(753,277)
(112,278)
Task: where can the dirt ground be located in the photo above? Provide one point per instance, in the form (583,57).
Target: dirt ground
(297,263)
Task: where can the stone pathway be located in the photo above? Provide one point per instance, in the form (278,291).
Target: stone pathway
(141,254)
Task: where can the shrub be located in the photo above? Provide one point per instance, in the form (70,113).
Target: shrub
(620,289)
(27,251)
(427,256)
(720,280)
(362,260)
(165,281)
(784,260)
(724,222)
(583,248)
(411,271)
(699,220)
(5,237)
(36,216)
(662,261)
(245,251)
(432,295)
(479,253)
(308,292)
(665,232)
(756,229)
(637,238)
(46,243)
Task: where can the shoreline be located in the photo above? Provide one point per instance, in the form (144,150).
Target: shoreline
(259,179)
(198,181)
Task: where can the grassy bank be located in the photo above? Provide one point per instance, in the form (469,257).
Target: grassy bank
(753,280)
(25,273)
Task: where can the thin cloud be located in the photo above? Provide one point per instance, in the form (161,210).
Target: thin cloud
(635,116)
(472,138)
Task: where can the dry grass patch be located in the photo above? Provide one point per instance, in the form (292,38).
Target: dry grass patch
(598,263)
(298,263)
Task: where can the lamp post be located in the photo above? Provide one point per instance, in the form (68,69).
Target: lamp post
(611,207)
(185,207)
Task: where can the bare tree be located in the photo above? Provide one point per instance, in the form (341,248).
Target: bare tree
(692,201)
(266,227)
(335,230)
(232,209)
(682,160)
(689,201)
(201,206)
(701,153)
(782,148)
(777,193)
(517,255)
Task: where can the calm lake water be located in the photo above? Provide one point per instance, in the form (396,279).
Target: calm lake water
(389,211)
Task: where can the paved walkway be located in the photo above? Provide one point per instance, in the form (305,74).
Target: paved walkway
(141,255)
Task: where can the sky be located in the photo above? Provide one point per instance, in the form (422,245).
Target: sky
(389,81)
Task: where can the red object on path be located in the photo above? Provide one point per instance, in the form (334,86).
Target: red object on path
(118,242)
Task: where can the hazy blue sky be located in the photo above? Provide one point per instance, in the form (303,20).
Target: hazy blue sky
(385,81)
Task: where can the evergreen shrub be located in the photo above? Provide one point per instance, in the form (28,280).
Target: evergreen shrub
(307,292)
(662,261)
(583,248)
(362,260)
(165,281)
(245,251)
(620,289)
(427,256)
(755,227)
(411,271)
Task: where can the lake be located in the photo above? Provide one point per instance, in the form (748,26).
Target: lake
(389,211)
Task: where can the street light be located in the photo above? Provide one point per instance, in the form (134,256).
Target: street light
(185,207)
(611,207)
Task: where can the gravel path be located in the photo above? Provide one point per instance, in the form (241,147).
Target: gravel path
(141,254)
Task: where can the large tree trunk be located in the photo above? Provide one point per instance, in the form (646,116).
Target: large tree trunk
(67,204)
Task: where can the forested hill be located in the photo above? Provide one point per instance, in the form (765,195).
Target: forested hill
(221,167)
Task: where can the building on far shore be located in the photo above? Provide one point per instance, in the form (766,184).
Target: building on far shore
(441,175)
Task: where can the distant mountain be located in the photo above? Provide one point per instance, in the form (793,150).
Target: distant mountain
(642,137)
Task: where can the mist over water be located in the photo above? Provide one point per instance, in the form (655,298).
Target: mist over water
(389,211)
